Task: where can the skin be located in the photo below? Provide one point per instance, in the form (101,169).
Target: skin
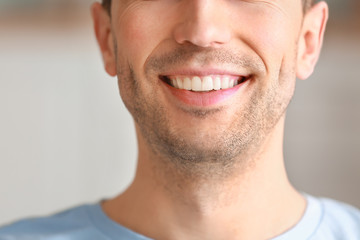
(209,172)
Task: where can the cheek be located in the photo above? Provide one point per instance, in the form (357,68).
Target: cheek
(275,42)
(138,36)
(272,35)
(133,38)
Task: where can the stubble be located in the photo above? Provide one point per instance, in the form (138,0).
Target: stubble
(228,147)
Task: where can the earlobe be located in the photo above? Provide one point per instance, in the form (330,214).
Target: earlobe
(102,27)
(311,39)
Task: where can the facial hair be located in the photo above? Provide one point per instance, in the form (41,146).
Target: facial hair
(206,154)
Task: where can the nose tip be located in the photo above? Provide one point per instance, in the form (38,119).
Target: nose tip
(202,35)
(203,26)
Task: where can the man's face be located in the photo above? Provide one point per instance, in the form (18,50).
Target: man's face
(206,45)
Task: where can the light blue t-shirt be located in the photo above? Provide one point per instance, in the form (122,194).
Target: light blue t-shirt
(324,219)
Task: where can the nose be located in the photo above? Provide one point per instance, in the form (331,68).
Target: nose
(203,23)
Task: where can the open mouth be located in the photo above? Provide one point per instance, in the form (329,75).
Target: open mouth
(204,83)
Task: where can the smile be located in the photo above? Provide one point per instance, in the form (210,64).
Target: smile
(203,90)
(204,83)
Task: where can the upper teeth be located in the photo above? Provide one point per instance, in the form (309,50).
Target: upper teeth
(205,83)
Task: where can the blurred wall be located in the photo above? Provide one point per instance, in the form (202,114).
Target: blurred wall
(67,139)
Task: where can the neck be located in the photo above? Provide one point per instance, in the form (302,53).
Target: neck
(255,197)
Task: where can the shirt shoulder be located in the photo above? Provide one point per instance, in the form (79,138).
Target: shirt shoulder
(73,223)
(325,219)
(339,221)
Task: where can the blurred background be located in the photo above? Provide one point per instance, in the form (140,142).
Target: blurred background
(67,139)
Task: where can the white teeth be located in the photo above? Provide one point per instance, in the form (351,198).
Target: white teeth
(179,83)
(207,84)
(203,84)
(231,83)
(217,83)
(174,83)
(196,84)
(187,83)
(225,83)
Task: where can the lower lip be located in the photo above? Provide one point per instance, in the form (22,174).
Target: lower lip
(203,99)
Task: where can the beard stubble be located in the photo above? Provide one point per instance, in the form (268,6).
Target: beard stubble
(206,155)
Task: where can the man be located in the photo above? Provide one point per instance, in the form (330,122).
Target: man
(207,83)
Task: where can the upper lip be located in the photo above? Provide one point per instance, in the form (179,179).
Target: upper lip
(203,72)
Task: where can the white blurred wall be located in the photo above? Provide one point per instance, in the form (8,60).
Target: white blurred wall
(67,139)
(65,136)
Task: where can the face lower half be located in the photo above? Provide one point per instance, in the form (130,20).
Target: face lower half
(206,81)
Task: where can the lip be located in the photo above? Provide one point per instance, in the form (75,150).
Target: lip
(203,72)
(202,99)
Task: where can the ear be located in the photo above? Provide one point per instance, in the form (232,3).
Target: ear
(102,27)
(311,39)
